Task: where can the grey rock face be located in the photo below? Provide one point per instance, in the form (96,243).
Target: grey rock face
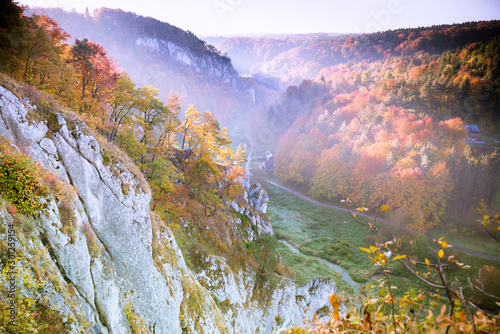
(313,297)
(242,309)
(207,63)
(120,270)
(121,224)
(258,197)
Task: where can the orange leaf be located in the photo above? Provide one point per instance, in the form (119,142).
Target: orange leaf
(384,208)
(334,301)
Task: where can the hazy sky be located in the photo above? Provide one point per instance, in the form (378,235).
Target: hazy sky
(232,17)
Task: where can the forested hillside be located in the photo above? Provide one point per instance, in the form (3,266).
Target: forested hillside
(387,126)
(290,59)
(155,52)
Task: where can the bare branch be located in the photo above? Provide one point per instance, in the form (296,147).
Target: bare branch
(420,277)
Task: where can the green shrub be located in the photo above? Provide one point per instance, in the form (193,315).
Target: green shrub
(33,314)
(137,324)
(20,182)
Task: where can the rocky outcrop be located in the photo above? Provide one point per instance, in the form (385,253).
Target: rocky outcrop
(312,297)
(208,63)
(120,223)
(108,267)
(258,197)
(241,309)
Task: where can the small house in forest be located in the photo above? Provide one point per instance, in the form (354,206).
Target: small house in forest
(472,129)
(472,133)
(268,164)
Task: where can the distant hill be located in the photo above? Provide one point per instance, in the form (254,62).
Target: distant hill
(157,53)
(296,57)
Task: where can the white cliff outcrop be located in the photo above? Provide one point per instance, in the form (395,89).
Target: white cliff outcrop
(109,265)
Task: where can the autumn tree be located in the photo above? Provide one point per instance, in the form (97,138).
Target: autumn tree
(167,138)
(125,98)
(96,74)
(34,50)
(152,112)
(188,128)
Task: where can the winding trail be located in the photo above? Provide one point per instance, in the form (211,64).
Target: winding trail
(487,256)
(343,273)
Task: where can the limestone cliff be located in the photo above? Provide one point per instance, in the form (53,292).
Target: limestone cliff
(109,269)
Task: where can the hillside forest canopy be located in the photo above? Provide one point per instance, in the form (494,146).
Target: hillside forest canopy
(387,124)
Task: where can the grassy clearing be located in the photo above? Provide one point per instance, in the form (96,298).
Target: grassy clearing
(496,205)
(307,268)
(330,234)
(320,232)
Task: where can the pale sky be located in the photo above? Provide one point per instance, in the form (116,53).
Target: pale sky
(237,17)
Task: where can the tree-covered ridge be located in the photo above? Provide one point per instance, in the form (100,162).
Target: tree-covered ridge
(154,52)
(297,58)
(392,131)
(105,20)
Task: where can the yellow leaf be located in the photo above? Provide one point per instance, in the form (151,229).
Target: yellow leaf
(360,209)
(427,262)
(441,253)
(354,215)
(384,208)
(399,257)
(365,249)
